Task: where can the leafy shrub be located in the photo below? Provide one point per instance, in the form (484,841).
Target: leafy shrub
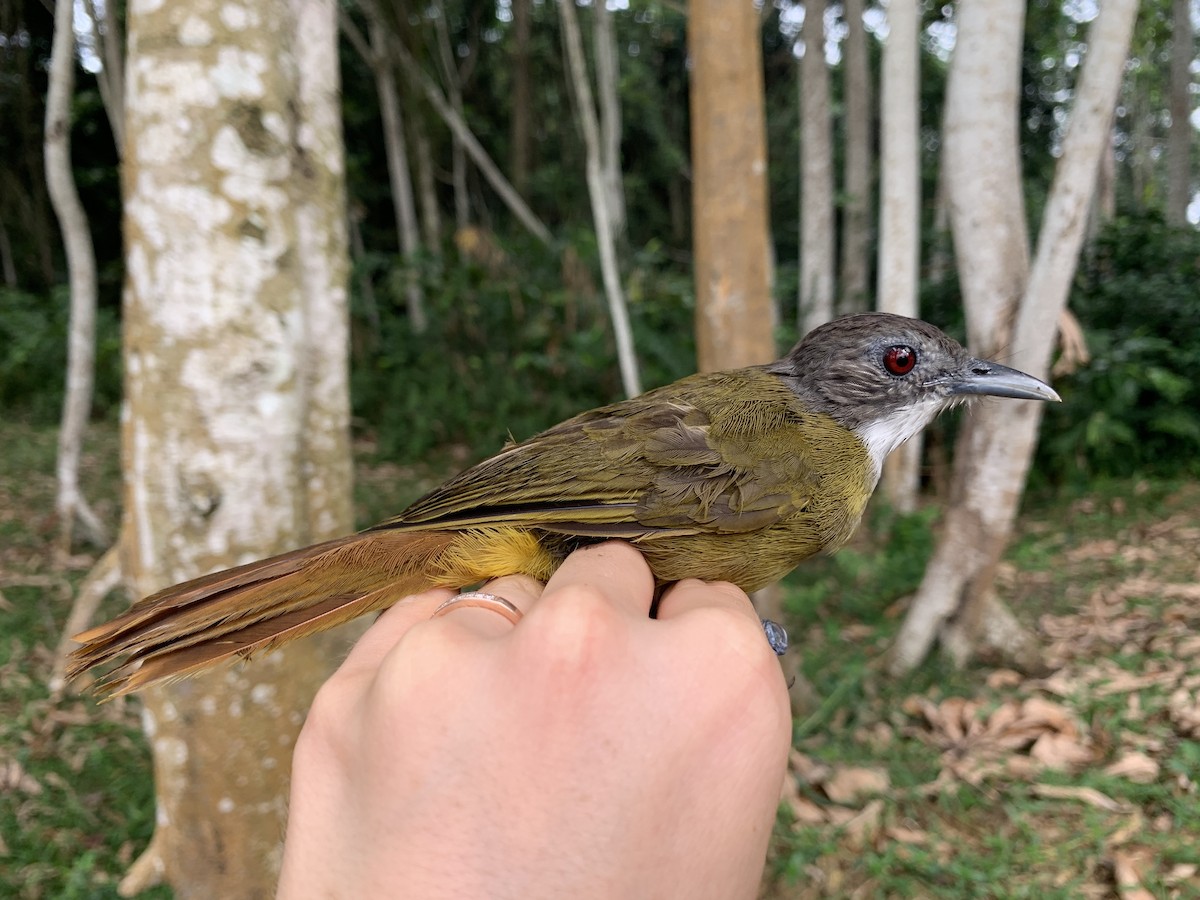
(1136,406)
(33,356)
(509,350)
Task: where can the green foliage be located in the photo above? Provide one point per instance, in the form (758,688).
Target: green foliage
(860,580)
(509,350)
(1136,406)
(33,355)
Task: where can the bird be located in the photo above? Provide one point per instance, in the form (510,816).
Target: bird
(734,476)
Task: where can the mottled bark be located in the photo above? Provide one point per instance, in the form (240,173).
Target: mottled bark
(853,281)
(900,210)
(599,191)
(235,432)
(817,229)
(956,600)
(735,315)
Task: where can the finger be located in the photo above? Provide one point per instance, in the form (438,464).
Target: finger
(390,627)
(614,570)
(691,593)
(519,590)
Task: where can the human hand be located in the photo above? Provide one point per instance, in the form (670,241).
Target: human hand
(587,752)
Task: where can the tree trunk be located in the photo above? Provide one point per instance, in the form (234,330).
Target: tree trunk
(856,207)
(521,152)
(956,600)
(735,315)
(235,434)
(8,264)
(458,125)
(458,159)
(111,78)
(816,176)
(431,216)
(607,80)
(1179,137)
(600,194)
(900,210)
(398,172)
(69,502)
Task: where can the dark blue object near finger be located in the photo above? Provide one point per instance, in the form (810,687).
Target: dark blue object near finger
(776,636)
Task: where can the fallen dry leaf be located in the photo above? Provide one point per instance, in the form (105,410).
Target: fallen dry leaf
(1060,751)
(907,835)
(1090,796)
(807,769)
(1181,872)
(851,783)
(863,829)
(999,679)
(1183,708)
(13,777)
(1129,868)
(1136,766)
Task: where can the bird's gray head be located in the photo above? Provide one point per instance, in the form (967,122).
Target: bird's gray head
(886,377)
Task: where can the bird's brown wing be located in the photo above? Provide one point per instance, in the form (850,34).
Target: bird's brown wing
(670,462)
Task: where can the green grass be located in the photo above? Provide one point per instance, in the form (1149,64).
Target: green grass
(1125,544)
(76,798)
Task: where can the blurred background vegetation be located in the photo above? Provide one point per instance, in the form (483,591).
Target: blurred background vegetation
(519,335)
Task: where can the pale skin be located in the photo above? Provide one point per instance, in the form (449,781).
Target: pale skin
(586,752)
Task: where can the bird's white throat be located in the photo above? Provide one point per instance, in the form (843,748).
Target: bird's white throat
(884,435)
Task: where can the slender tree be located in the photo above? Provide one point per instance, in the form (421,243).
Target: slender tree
(399,174)
(69,503)
(900,209)
(600,192)
(1179,135)
(853,281)
(235,439)
(521,152)
(816,175)
(458,157)
(604,42)
(1008,305)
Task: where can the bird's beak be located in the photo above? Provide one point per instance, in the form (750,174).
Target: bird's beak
(992,379)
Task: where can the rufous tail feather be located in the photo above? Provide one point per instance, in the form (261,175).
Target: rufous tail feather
(258,606)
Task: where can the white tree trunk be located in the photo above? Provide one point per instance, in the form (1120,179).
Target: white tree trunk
(1179,137)
(900,210)
(111,78)
(816,176)
(607,81)
(598,191)
(235,432)
(398,173)
(856,206)
(69,502)
(956,598)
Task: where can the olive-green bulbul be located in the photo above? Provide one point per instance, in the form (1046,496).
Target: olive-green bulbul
(730,476)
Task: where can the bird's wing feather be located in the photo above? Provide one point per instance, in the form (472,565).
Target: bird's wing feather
(668,462)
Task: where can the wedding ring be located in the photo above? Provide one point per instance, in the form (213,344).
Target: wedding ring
(481,600)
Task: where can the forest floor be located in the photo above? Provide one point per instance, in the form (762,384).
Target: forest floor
(1076,781)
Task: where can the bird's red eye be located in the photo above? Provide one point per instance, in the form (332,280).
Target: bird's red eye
(899,360)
